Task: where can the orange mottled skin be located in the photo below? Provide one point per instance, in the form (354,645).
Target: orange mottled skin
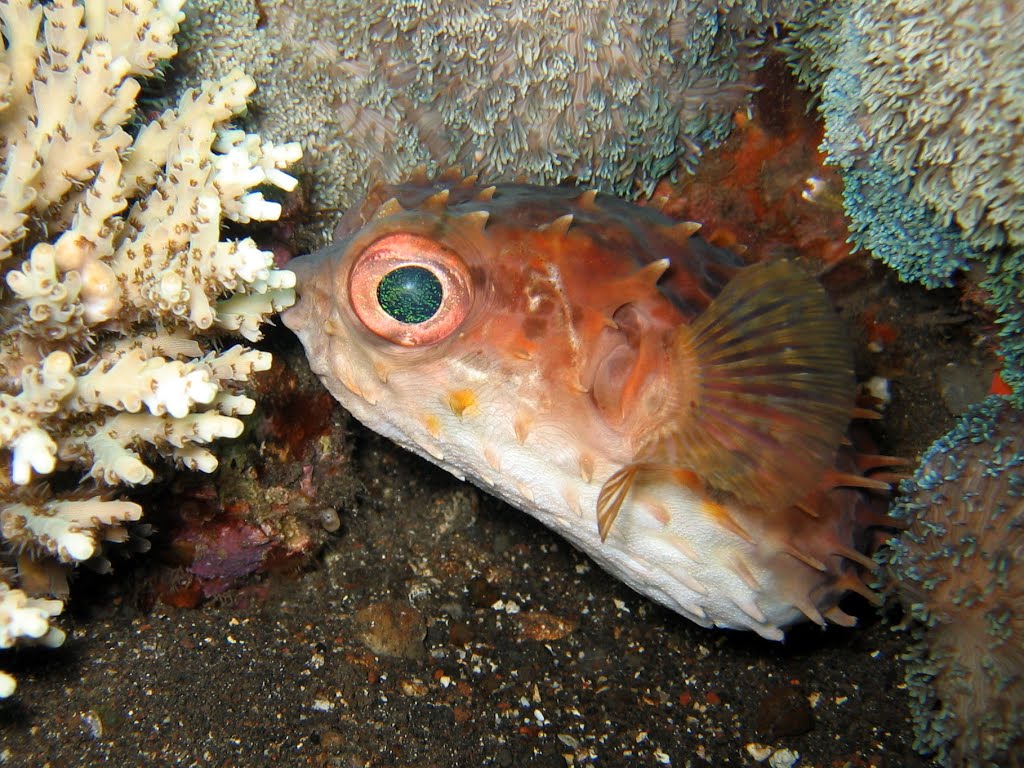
(675,414)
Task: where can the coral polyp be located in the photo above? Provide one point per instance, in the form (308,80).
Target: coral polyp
(616,94)
(959,569)
(924,116)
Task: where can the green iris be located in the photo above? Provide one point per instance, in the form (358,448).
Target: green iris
(410,294)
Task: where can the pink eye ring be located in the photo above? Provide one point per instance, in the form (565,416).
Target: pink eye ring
(409,289)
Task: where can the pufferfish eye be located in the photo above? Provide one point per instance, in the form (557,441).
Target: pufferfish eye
(410,294)
(410,289)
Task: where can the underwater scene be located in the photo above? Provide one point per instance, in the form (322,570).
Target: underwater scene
(512,383)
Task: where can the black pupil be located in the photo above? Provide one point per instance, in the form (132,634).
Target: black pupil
(410,294)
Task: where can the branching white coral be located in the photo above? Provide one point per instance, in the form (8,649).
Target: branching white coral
(24,618)
(114,274)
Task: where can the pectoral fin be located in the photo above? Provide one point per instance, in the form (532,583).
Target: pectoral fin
(768,389)
(617,487)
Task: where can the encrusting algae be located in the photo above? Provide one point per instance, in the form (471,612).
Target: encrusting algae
(676,414)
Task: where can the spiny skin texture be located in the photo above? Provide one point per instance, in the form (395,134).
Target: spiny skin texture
(615,93)
(682,431)
(960,568)
(923,106)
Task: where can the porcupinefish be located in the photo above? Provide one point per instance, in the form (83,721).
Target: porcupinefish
(672,412)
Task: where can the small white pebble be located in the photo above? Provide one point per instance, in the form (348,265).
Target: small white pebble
(508,606)
(93,723)
(662,758)
(784,758)
(323,704)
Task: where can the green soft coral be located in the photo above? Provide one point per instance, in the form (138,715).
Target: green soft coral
(923,107)
(958,568)
(616,94)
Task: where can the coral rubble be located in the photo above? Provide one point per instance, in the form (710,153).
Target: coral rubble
(116,281)
(615,94)
(959,568)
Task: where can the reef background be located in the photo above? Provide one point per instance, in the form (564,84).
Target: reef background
(437,626)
